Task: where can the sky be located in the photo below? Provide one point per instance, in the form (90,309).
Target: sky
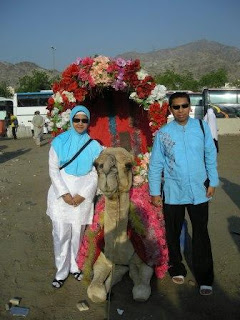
(76,28)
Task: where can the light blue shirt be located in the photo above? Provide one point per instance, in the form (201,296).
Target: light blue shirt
(186,158)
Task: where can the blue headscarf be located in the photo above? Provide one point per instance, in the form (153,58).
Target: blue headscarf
(67,144)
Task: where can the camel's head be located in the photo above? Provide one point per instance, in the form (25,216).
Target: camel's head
(114,171)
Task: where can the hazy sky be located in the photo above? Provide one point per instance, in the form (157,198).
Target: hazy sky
(77,28)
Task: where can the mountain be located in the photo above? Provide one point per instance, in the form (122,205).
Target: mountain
(198,57)
(11,73)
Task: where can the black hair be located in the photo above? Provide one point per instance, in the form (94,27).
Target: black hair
(176,95)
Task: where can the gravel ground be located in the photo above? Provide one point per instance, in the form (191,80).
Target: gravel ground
(27,266)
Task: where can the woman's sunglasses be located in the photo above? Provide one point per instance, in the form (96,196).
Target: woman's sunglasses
(184,106)
(76,120)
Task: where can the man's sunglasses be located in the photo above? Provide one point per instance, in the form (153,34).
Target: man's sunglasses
(184,106)
(76,120)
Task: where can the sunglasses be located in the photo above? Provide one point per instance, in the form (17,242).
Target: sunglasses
(184,106)
(76,120)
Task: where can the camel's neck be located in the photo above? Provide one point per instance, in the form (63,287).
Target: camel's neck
(115,223)
(116,212)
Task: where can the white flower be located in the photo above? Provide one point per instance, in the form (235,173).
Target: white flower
(142,74)
(54,111)
(50,125)
(59,124)
(158,93)
(66,116)
(133,95)
(70,96)
(58,98)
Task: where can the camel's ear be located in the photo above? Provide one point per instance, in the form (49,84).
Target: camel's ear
(129,165)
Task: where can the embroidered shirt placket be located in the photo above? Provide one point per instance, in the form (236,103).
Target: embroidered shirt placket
(184,141)
(187,161)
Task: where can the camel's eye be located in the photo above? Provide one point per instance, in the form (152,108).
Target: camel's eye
(101,166)
(128,165)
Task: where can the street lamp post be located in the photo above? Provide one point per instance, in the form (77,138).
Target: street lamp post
(53,56)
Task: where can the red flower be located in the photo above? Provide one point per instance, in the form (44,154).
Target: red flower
(72,86)
(56,87)
(71,71)
(79,94)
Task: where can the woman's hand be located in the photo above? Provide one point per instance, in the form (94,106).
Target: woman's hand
(77,200)
(68,199)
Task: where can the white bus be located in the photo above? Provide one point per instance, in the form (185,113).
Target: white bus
(26,103)
(6,106)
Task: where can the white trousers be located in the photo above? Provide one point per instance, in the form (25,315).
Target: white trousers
(67,239)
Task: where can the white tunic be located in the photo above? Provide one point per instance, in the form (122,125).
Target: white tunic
(62,183)
(211,120)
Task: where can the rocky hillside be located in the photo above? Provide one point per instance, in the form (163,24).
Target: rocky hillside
(197,57)
(11,73)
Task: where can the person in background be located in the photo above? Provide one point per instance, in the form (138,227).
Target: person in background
(70,197)
(38,124)
(186,157)
(14,125)
(211,120)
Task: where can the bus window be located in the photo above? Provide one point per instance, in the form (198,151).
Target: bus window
(223,98)
(225,102)
(27,102)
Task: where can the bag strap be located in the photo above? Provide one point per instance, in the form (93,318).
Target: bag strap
(201,125)
(77,154)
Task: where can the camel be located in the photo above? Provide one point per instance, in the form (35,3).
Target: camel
(115,180)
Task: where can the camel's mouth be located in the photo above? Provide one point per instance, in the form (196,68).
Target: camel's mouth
(109,194)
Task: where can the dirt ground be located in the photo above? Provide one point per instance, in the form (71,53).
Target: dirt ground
(26,253)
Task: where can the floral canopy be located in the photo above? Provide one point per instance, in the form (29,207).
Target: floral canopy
(90,76)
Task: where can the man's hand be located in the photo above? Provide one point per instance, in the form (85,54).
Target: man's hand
(210,192)
(77,199)
(68,199)
(156,201)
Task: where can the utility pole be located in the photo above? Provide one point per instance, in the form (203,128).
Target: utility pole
(53,56)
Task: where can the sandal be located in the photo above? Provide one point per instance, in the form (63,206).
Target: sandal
(57,284)
(178,279)
(206,290)
(78,275)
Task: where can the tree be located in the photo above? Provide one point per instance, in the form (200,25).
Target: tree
(175,81)
(215,79)
(5,90)
(39,80)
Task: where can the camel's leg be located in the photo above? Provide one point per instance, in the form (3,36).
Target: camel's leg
(117,272)
(101,270)
(141,275)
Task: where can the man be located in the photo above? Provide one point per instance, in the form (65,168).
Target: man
(38,123)
(186,155)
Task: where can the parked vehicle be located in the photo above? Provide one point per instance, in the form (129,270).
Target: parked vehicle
(26,103)
(225,102)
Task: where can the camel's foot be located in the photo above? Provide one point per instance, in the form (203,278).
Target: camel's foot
(141,292)
(97,292)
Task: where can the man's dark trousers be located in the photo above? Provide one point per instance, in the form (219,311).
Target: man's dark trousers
(201,247)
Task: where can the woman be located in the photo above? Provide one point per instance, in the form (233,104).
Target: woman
(70,197)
